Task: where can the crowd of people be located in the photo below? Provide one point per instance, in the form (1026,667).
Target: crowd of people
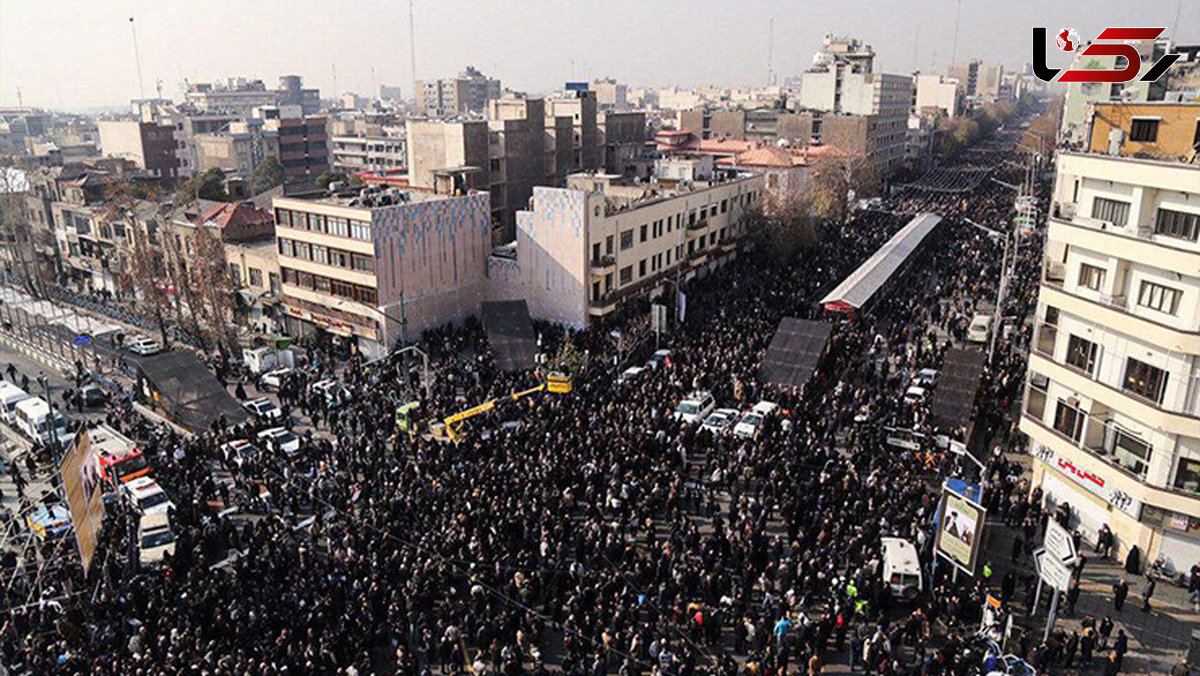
(599,534)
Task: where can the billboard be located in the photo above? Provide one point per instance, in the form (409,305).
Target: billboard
(960,531)
(82,481)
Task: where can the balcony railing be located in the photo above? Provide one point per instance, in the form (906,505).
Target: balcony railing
(603,262)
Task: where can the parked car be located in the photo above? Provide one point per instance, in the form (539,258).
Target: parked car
(695,408)
(914,394)
(274,378)
(143,346)
(659,359)
(147,496)
(630,375)
(49,520)
(91,394)
(239,450)
(263,409)
(720,421)
(980,329)
(925,378)
(280,440)
(155,539)
(335,393)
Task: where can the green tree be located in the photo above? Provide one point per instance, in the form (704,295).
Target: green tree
(268,174)
(209,185)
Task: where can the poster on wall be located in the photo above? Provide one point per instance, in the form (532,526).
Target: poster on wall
(960,531)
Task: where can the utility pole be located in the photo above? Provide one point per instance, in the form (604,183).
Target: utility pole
(412,49)
(954,47)
(770,52)
(137,58)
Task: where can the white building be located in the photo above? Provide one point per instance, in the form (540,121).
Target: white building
(584,250)
(935,91)
(1112,406)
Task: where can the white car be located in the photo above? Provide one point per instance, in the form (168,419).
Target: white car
(914,394)
(630,375)
(155,539)
(334,392)
(695,408)
(141,345)
(720,421)
(279,439)
(263,409)
(980,329)
(659,359)
(147,496)
(273,379)
(926,378)
(749,425)
(239,450)
(765,408)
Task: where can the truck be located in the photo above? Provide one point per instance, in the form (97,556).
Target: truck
(261,359)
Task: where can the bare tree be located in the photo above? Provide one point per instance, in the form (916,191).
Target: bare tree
(788,224)
(210,279)
(15,227)
(836,174)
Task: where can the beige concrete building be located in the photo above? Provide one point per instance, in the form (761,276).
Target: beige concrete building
(467,93)
(937,93)
(584,250)
(610,94)
(239,149)
(1112,404)
(362,265)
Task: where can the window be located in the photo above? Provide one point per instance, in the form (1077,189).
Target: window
(1144,380)
(274,280)
(595,290)
(642,268)
(338,226)
(1127,450)
(1144,130)
(360,230)
(1068,420)
(1177,224)
(320,254)
(724,205)
(304,250)
(1114,211)
(339,259)
(1159,297)
(642,233)
(1081,354)
(596,252)
(1091,276)
(627,240)
(608,245)
(1187,475)
(286,248)
(362,263)
(255,276)
(235,273)
(627,274)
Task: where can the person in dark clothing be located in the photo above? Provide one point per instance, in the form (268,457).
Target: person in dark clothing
(1069,649)
(1086,642)
(1106,627)
(1072,597)
(1120,592)
(1120,647)
(1017,547)
(1148,593)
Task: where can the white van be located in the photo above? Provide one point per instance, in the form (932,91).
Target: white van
(980,329)
(32,418)
(10,396)
(901,568)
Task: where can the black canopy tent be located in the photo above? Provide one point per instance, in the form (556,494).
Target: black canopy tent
(795,351)
(183,388)
(953,401)
(510,332)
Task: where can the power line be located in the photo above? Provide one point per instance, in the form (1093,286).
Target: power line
(137,58)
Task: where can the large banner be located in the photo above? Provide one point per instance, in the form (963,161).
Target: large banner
(82,480)
(960,531)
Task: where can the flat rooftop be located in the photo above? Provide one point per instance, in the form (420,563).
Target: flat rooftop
(371,197)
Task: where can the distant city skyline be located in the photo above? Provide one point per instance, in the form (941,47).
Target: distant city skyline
(73,55)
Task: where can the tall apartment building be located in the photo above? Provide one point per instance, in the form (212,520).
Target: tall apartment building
(148,145)
(1112,404)
(240,96)
(449,97)
(980,82)
(349,263)
(937,93)
(583,251)
(842,80)
(610,94)
(580,108)
(373,153)
(303,141)
(852,134)
(621,139)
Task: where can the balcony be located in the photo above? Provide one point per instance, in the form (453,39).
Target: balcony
(1054,273)
(603,265)
(1047,339)
(698,225)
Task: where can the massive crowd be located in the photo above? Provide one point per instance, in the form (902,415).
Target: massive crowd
(597,536)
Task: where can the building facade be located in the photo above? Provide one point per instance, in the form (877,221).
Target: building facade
(239,149)
(369,153)
(148,145)
(467,93)
(585,250)
(937,93)
(360,268)
(1112,403)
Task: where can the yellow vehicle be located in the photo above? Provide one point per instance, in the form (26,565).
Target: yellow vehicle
(455,425)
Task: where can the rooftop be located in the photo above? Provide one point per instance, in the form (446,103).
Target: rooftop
(374,196)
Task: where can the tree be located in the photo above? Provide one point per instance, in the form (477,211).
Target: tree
(209,185)
(837,176)
(16,230)
(334,176)
(787,226)
(212,286)
(268,174)
(143,274)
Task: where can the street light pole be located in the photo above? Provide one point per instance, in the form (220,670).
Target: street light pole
(52,428)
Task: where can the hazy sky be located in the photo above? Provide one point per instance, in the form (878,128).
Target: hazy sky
(75,54)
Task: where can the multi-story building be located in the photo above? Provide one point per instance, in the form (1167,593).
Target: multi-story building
(854,135)
(370,266)
(1112,405)
(580,108)
(979,82)
(1158,130)
(585,250)
(303,141)
(373,153)
(610,94)
(392,93)
(148,145)
(622,140)
(934,92)
(240,96)
(239,149)
(467,93)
